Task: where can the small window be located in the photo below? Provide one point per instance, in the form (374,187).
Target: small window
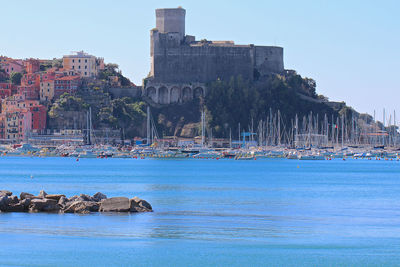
(85,60)
(79,61)
(73,61)
(79,67)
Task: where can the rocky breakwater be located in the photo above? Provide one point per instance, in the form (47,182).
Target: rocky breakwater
(58,203)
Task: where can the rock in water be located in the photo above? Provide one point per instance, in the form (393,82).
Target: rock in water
(86,197)
(4,202)
(13,199)
(25,195)
(118,204)
(42,194)
(25,202)
(63,201)
(19,207)
(139,205)
(82,207)
(5,193)
(99,196)
(49,205)
(56,197)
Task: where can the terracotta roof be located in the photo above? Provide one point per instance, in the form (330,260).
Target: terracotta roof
(69,78)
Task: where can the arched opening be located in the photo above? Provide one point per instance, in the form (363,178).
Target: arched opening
(198,92)
(174,97)
(151,93)
(187,94)
(163,95)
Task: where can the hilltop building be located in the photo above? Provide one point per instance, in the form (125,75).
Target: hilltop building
(181,66)
(86,65)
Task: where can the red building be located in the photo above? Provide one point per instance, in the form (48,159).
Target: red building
(32,65)
(39,114)
(7,89)
(67,84)
(30,92)
(31,79)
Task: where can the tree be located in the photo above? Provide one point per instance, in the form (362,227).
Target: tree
(125,114)
(67,102)
(16,78)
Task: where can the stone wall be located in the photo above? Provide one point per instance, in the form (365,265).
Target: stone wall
(170,93)
(119,92)
(183,62)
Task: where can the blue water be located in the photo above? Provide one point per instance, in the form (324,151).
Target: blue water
(208,213)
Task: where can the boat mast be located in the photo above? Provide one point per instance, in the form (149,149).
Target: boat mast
(148,126)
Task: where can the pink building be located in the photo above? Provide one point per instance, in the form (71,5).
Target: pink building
(10,65)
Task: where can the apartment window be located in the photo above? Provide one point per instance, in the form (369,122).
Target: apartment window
(73,67)
(73,61)
(85,60)
(85,67)
(79,67)
(85,73)
(79,61)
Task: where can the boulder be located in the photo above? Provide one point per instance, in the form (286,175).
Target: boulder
(25,202)
(56,197)
(76,198)
(25,195)
(99,196)
(13,199)
(15,208)
(5,193)
(63,201)
(118,204)
(81,207)
(4,202)
(42,194)
(86,197)
(139,205)
(48,205)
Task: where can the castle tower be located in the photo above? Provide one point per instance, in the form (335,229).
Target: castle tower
(170,20)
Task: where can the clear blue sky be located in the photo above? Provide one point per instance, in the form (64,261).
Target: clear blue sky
(351,48)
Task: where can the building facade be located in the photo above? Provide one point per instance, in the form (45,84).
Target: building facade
(86,65)
(181,66)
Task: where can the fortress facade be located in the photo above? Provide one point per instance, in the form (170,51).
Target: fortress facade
(182,66)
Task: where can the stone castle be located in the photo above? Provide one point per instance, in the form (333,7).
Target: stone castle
(181,66)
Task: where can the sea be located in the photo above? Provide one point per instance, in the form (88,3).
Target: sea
(273,212)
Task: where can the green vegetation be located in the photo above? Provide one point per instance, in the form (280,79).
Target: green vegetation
(15,78)
(229,103)
(67,102)
(124,113)
(112,70)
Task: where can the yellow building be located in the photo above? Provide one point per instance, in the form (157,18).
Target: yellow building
(86,65)
(46,90)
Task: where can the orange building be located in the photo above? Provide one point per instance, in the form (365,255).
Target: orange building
(32,65)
